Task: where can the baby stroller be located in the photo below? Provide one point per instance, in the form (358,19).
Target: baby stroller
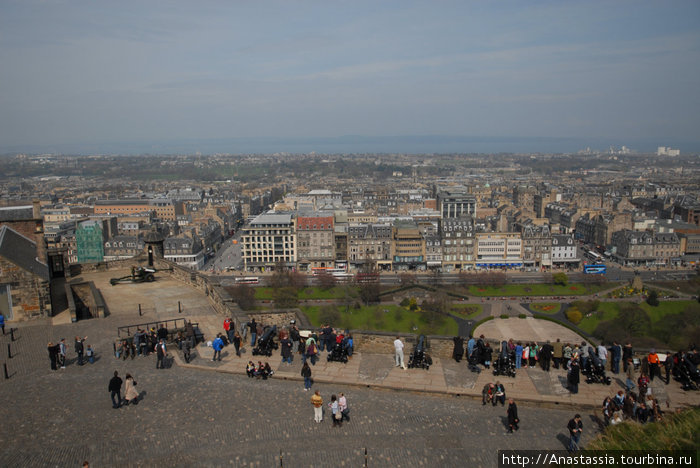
(266,343)
(419,358)
(594,370)
(505,362)
(338,353)
(686,372)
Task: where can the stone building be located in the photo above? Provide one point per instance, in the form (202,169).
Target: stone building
(25,290)
(315,240)
(457,236)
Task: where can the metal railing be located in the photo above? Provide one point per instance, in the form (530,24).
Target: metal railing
(128,329)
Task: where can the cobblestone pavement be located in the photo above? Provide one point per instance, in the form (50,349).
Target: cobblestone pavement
(190,417)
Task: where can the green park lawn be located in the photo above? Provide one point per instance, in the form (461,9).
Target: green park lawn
(388,318)
(549,308)
(610,310)
(574,289)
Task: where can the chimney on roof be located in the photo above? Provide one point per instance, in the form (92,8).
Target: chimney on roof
(36,209)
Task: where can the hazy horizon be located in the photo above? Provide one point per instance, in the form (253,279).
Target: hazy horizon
(463,76)
(357,144)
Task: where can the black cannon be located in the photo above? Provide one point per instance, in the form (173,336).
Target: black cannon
(338,352)
(266,343)
(685,371)
(419,358)
(594,369)
(505,362)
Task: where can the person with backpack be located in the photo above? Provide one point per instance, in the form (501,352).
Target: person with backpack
(311,351)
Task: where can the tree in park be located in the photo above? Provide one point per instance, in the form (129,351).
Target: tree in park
(560,279)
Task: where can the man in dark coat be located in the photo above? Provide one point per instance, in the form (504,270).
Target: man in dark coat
(53,355)
(546,355)
(575,427)
(160,354)
(79,349)
(615,354)
(115,388)
(627,353)
(253,326)
(286,350)
(458,350)
(513,420)
(573,376)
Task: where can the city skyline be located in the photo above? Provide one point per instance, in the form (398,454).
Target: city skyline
(459,77)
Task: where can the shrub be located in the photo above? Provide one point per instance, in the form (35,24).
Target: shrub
(504,316)
(560,279)
(522,316)
(653,298)
(405,302)
(330,315)
(574,315)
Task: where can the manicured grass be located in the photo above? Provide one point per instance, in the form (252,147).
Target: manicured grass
(606,311)
(389,318)
(466,311)
(665,308)
(574,289)
(610,310)
(675,432)
(550,308)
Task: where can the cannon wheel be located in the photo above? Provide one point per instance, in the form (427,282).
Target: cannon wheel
(150,278)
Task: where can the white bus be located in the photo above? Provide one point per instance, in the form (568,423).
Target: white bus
(596,257)
(247,280)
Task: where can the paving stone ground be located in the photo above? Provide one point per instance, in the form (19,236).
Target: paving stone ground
(211,414)
(196,417)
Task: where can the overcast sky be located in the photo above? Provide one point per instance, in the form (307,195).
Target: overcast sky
(76,72)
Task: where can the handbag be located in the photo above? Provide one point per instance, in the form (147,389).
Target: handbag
(338,415)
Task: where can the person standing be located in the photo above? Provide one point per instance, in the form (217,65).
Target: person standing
(130,393)
(306,373)
(218,345)
(343,406)
(546,355)
(228,328)
(161,352)
(80,349)
(189,333)
(286,350)
(62,350)
(512,414)
(398,352)
(53,355)
(295,336)
(575,428)
(335,412)
(668,366)
(115,388)
(573,376)
(653,360)
(557,353)
(627,355)
(2,322)
(615,354)
(518,355)
(629,372)
(237,343)
(603,354)
(317,402)
(499,394)
(253,331)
